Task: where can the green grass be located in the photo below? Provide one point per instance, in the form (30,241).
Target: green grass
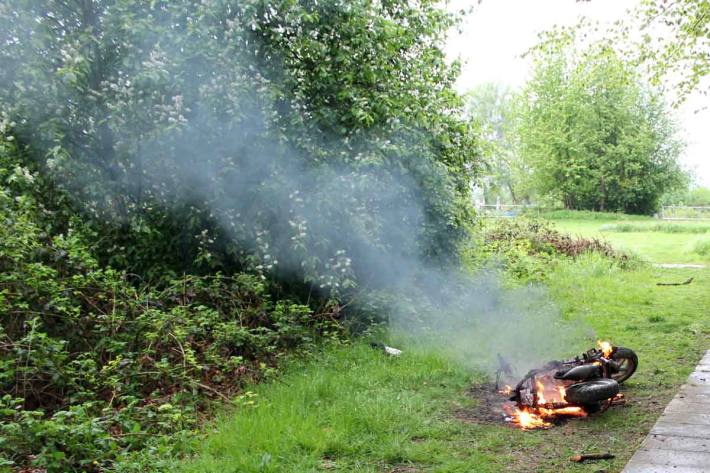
(353,409)
(586,215)
(655,242)
(685,227)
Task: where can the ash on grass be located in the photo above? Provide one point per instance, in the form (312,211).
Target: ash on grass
(488,408)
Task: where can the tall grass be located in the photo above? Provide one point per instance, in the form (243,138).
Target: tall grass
(354,410)
(589,215)
(702,247)
(658,227)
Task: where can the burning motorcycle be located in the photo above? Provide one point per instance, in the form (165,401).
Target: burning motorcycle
(577,387)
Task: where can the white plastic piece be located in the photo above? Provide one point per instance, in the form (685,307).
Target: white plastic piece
(392,351)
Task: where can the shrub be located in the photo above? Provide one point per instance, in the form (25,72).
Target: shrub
(94,363)
(543,238)
(702,247)
(526,247)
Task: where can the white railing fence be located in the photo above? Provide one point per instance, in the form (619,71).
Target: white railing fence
(508,210)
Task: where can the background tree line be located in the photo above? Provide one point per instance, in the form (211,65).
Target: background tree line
(587,131)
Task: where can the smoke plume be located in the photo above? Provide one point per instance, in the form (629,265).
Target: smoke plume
(170,117)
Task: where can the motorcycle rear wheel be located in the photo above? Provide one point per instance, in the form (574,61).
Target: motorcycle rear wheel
(591,392)
(628,362)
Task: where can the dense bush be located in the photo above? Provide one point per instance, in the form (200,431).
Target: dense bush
(291,150)
(94,363)
(310,140)
(527,247)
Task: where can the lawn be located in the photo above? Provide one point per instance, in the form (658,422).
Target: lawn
(652,240)
(353,409)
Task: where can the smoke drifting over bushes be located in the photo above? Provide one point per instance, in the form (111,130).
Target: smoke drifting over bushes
(236,135)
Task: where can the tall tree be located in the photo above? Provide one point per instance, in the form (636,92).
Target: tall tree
(595,136)
(493,109)
(669,40)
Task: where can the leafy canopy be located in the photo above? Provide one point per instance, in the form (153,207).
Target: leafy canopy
(595,137)
(278,136)
(494,108)
(676,43)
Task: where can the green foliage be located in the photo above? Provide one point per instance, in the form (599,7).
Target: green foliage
(681,54)
(291,150)
(528,248)
(493,109)
(227,135)
(702,247)
(596,138)
(93,364)
(698,196)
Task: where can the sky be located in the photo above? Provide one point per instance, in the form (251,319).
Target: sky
(495,35)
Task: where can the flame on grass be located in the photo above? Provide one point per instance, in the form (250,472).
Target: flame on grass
(528,418)
(551,404)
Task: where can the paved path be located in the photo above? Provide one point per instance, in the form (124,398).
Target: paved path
(680,440)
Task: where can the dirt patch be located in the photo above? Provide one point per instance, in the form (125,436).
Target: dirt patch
(488,410)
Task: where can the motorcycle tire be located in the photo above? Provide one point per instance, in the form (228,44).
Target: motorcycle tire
(628,362)
(590,392)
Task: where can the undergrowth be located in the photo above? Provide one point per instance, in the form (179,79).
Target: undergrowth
(527,248)
(702,247)
(95,365)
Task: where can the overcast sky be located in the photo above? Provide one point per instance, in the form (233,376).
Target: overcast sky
(497,32)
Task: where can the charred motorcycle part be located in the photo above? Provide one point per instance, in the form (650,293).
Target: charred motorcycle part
(580,373)
(592,392)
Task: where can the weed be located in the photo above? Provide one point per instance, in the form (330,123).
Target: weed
(702,247)
(658,227)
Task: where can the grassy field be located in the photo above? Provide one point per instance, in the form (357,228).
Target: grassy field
(352,409)
(653,240)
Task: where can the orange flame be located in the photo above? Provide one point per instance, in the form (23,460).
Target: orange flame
(551,403)
(527,419)
(571,411)
(540,392)
(605,347)
(507,390)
